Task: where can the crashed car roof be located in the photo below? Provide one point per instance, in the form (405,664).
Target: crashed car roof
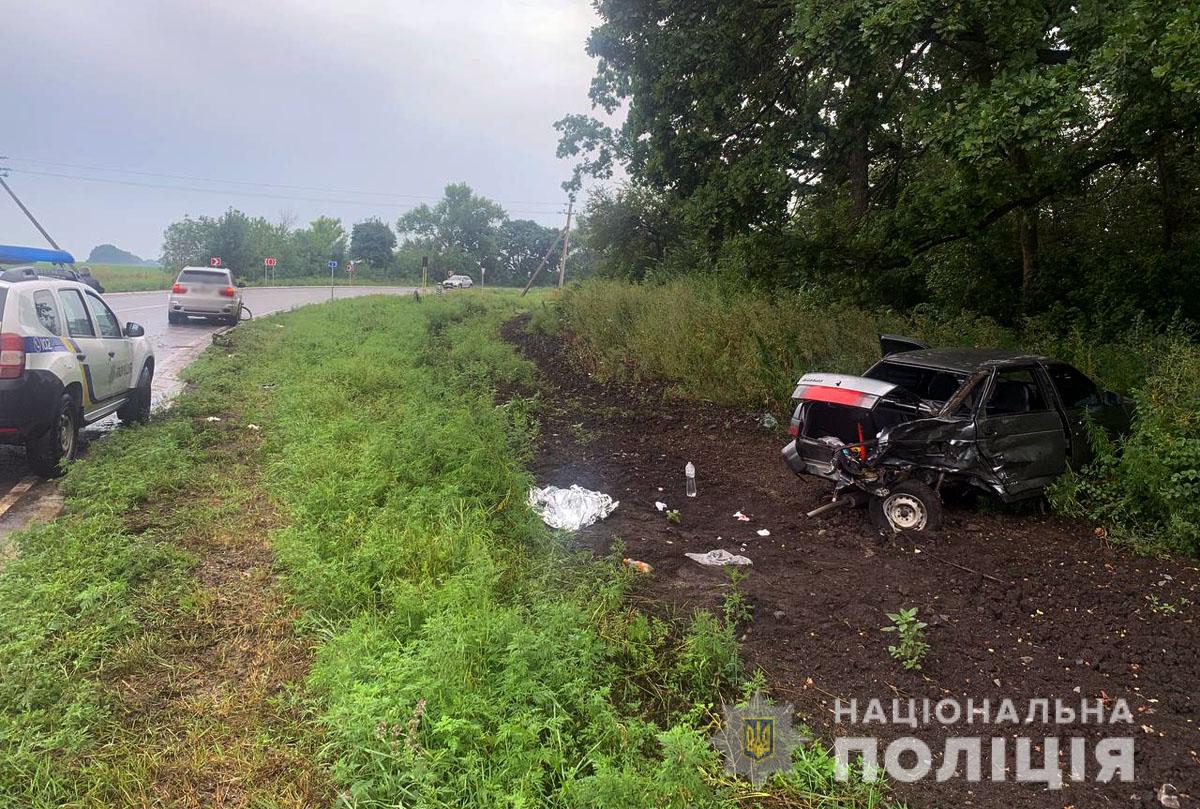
(963,360)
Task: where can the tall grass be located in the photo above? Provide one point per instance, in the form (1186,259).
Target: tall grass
(723,341)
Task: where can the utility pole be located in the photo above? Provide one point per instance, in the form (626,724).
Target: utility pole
(562,263)
(545,258)
(25,210)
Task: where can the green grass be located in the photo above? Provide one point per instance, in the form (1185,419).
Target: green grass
(130,277)
(463,655)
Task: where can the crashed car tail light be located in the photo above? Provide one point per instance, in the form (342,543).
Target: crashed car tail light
(178,289)
(228,292)
(12,356)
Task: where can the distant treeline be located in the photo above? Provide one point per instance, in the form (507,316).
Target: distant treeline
(463,233)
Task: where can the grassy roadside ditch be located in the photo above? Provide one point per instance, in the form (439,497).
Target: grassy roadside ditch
(410,634)
(714,339)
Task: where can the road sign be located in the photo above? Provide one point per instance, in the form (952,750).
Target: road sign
(215,261)
(333,265)
(269,262)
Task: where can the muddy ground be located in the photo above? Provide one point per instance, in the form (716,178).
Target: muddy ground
(1022,605)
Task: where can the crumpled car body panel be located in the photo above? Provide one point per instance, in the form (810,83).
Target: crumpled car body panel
(1008,428)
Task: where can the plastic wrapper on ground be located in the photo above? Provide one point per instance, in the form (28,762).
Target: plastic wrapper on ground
(570,509)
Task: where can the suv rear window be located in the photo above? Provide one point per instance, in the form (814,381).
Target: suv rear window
(203,277)
(928,383)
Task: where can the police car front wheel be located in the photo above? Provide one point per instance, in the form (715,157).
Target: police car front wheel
(136,409)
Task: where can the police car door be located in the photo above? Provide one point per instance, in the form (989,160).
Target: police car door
(117,349)
(88,347)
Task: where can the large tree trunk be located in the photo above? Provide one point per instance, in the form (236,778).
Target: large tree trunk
(858,160)
(1166,196)
(1028,236)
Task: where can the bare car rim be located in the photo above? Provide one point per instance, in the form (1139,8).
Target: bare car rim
(66,434)
(905,512)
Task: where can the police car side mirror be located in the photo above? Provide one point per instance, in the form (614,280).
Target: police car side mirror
(134,330)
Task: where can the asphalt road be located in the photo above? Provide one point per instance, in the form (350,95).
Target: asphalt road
(174,347)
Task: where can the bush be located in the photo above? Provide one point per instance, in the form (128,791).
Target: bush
(1146,487)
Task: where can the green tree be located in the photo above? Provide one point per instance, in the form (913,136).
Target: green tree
(185,242)
(522,245)
(373,241)
(462,230)
(324,240)
(880,147)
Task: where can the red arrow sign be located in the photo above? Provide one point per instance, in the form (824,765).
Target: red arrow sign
(270,262)
(215,261)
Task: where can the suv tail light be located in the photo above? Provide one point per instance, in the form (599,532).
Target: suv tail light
(228,292)
(178,289)
(12,356)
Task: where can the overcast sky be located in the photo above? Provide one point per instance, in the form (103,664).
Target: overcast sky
(369,97)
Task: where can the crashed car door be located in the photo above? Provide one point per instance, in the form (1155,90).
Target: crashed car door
(1020,433)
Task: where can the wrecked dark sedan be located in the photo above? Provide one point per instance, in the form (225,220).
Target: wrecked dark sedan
(922,419)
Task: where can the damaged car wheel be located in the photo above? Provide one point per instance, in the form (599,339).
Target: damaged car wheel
(910,506)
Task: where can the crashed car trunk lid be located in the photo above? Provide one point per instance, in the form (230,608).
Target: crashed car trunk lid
(842,389)
(838,410)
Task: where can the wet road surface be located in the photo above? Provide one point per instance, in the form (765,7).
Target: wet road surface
(25,498)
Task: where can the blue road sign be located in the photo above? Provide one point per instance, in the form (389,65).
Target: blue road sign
(333,265)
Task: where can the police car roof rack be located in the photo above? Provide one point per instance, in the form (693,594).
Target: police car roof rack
(19,274)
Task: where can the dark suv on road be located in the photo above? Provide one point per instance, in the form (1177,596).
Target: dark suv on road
(923,418)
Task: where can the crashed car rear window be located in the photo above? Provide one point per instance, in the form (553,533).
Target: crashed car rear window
(928,383)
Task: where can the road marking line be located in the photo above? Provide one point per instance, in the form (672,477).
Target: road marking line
(14,494)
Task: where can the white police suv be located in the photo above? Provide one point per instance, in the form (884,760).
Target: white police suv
(65,361)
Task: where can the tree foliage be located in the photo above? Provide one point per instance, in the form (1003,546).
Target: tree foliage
(373,241)
(463,232)
(900,148)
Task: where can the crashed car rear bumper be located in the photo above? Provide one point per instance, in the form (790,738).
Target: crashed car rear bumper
(795,462)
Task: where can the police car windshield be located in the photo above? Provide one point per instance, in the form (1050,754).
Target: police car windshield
(203,277)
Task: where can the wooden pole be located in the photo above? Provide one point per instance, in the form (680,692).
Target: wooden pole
(562,263)
(25,211)
(545,259)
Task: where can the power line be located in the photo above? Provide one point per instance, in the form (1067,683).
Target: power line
(239,192)
(191,178)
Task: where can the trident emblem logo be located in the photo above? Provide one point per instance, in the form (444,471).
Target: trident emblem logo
(758,737)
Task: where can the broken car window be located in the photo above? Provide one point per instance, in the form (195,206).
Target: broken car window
(1074,389)
(1014,392)
(928,383)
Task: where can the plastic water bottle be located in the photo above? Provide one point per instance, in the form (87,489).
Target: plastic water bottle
(689,471)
